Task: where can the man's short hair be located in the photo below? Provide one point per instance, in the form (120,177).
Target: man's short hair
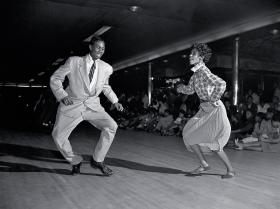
(95,39)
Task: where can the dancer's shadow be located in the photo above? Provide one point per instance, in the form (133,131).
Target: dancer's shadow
(47,155)
(32,153)
(189,174)
(21,167)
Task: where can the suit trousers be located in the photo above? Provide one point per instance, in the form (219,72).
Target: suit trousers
(64,125)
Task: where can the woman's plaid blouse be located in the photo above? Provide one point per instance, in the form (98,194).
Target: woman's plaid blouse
(208,86)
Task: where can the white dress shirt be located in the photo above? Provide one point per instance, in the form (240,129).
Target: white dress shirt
(89,64)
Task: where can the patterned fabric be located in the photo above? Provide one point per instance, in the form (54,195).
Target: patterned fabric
(209,128)
(208,86)
(91,72)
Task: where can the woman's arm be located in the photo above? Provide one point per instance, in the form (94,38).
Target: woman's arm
(189,89)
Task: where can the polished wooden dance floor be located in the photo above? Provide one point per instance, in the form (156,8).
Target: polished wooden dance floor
(150,173)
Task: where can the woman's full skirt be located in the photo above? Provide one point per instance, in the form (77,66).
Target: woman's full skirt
(209,128)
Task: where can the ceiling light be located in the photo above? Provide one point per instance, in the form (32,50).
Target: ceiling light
(274,31)
(165,61)
(31,80)
(134,8)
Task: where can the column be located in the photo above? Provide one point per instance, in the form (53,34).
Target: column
(150,82)
(235,71)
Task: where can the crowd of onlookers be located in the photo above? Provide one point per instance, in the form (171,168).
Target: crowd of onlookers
(166,115)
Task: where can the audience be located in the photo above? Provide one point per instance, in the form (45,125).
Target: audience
(267,142)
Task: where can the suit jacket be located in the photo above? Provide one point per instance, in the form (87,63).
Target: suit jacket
(78,88)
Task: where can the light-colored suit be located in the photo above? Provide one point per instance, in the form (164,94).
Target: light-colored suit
(86,106)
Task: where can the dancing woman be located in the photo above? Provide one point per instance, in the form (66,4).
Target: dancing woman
(209,129)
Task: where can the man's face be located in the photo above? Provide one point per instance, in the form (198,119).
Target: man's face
(97,50)
(194,57)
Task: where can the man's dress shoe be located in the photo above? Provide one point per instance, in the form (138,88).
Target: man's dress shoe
(76,169)
(101,166)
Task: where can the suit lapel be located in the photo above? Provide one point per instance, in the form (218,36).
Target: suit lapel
(99,75)
(83,72)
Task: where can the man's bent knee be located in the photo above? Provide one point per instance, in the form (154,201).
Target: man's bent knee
(113,126)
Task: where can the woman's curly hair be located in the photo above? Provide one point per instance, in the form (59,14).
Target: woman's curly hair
(203,50)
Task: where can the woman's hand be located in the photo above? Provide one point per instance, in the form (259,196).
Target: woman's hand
(180,88)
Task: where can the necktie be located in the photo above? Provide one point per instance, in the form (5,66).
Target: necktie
(91,72)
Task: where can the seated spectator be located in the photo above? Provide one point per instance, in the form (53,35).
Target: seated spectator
(229,107)
(176,127)
(256,97)
(269,142)
(241,109)
(266,124)
(138,117)
(263,106)
(246,129)
(236,120)
(164,121)
(145,120)
(125,119)
(249,93)
(275,102)
(155,104)
(227,95)
(276,91)
(151,125)
(257,129)
(250,105)
(163,106)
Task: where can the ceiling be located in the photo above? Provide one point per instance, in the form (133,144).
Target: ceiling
(38,32)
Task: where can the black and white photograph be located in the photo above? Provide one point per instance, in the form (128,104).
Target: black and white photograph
(140,104)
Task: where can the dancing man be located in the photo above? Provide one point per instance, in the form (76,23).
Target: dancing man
(88,76)
(209,129)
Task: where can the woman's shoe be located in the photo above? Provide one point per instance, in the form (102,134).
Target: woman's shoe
(229,175)
(200,169)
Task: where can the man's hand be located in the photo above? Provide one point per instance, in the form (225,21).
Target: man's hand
(118,106)
(67,101)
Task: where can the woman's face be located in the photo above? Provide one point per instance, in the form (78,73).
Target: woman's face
(195,58)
